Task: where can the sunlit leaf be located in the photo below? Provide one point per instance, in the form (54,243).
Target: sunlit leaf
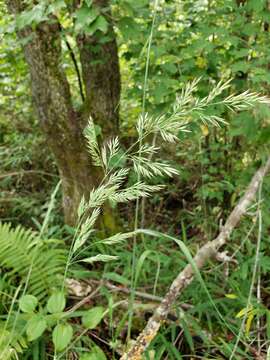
(56,302)
(35,327)
(28,303)
(93,317)
(62,335)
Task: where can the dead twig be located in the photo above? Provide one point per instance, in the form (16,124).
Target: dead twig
(83,301)
(139,294)
(185,277)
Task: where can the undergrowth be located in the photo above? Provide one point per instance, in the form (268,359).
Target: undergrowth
(47,320)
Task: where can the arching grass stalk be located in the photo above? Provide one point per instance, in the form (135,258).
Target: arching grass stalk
(82,219)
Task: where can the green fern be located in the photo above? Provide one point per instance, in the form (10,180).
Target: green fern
(21,250)
(16,345)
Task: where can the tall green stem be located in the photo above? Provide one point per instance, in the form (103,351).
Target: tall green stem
(137,209)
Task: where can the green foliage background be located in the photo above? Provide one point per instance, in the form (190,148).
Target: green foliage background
(211,40)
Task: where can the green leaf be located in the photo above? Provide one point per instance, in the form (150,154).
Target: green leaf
(85,16)
(117,278)
(139,4)
(129,28)
(256,5)
(62,335)
(240,66)
(35,327)
(35,15)
(93,317)
(95,354)
(28,303)
(99,24)
(56,6)
(56,302)
(187,334)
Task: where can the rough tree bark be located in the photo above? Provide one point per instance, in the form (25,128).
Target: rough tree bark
(62,124)
(101,76)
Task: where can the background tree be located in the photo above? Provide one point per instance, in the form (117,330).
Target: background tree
(40,32)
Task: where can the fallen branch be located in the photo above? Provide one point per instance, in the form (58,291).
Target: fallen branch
(139,294)
(207,251)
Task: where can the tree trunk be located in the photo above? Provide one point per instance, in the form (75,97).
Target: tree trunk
(62,125)
(101,76)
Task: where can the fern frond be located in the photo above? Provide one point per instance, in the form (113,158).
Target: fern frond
(17,344)
(21,249)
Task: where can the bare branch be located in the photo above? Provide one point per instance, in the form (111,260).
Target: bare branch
(207,251)
(139,294)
